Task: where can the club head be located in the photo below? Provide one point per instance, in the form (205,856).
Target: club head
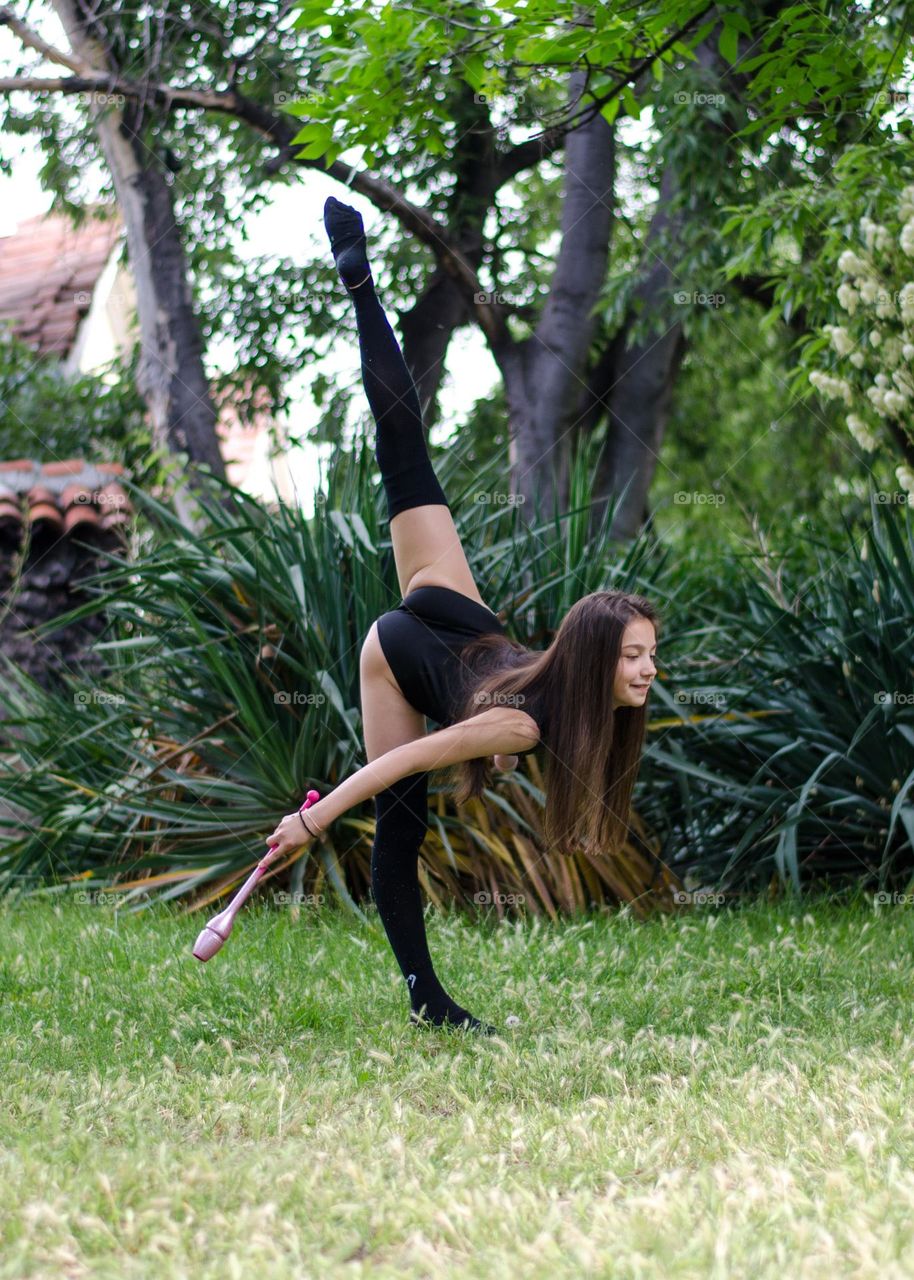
(217,930)
(207,944)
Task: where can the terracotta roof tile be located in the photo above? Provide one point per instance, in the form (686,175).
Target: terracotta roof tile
(64,496)
(48,269)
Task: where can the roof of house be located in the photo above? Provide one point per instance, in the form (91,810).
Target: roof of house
(48,270)
(66,497)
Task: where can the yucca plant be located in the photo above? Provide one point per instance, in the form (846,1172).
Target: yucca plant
(233,688)
(788,757)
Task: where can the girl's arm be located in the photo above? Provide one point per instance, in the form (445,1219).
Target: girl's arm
(497,731)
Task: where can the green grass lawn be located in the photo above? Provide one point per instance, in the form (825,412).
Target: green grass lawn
(717,1094)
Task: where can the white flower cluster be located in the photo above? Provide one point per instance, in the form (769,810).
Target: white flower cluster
(861,432)
(906,302)
(874,236)
(832,388)
(841,340)
(884,352)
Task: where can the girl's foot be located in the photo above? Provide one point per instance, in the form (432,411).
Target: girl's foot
(347,242)
(453,1022)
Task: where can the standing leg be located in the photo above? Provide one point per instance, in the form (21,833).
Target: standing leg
(402,821)
(401,813)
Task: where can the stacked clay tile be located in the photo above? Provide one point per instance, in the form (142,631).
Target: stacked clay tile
(56,521)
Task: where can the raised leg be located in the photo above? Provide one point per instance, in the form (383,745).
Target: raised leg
(426,545)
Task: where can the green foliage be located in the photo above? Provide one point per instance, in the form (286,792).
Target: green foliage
(801,64)
(874,346)
(46,416)
(809,225)
(424,97)
(214,164)
(233,688)
(789,748)
(741,454)
(188,665)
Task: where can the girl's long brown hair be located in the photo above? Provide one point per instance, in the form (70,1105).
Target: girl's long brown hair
(593,751)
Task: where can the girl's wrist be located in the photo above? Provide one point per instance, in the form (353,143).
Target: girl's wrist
(312,822)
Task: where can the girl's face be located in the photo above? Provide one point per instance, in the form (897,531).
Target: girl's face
(635,670)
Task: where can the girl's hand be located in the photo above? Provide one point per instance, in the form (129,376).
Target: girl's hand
(505,762)
(290,834)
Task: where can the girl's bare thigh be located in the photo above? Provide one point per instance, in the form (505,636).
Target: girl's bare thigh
(428,551)
(388,720)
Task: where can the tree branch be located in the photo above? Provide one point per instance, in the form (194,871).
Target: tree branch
(526,154)
(280,130)
(64,84)
(32,40)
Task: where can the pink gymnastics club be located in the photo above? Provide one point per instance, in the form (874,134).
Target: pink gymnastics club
(217,930)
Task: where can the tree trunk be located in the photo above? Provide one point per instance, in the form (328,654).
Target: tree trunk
(171,376)
(543,372)
(427,329)
(429,325)
(634,387)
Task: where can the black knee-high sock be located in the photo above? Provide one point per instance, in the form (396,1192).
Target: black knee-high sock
(402,821)
(406,470)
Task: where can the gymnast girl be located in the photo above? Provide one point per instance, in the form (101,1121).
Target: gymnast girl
(443,654)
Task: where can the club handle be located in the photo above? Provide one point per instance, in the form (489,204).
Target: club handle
(311,798)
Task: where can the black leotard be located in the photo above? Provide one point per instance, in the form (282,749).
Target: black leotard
(422,639)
